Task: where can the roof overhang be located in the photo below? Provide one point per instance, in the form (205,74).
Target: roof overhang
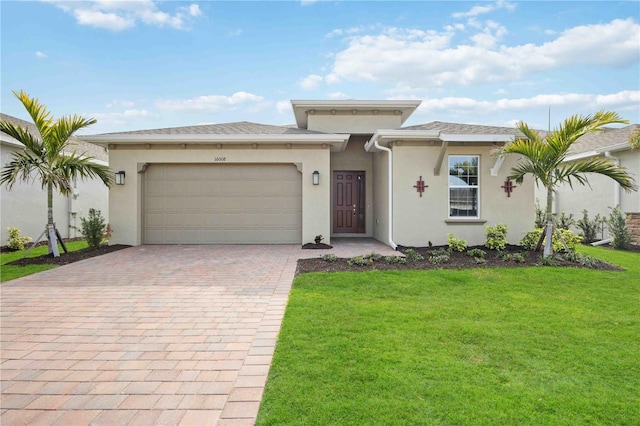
(383,137)
(337,142)
(599,151)
(301,108)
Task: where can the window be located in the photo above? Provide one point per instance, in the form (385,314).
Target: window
(464,186)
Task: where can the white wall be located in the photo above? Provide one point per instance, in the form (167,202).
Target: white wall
(599,196)
(25,205)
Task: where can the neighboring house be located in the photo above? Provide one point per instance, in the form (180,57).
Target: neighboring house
(347,168)
(602,193)
(25,205)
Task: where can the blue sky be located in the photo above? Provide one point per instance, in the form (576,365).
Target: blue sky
(148,64)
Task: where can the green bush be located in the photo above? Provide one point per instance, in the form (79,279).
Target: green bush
(17,241)
(93,228)
(589,227)
(395,259)
(329,257)
(359,261)
(496,237)
(373,256)
(456,244)
(529,241)
(564,222)
(439,256)
(617,224)
(413,256)
(541,217)
(476,252)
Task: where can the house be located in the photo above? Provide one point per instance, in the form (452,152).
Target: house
(602,193)
(346,169)
(25,205)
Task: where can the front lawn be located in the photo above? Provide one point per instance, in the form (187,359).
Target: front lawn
(10,272)
(539,345)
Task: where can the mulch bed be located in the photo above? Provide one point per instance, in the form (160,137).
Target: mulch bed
(458,260)
(317,246)
(66,258)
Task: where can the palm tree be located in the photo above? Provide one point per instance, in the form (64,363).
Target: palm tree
(543,156)
(46,157)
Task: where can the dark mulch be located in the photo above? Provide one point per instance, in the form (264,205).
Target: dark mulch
(317,246)
(457,260)
(66,258)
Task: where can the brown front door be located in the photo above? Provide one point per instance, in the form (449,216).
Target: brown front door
(348,202)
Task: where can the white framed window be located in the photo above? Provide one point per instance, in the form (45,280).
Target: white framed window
(464,186)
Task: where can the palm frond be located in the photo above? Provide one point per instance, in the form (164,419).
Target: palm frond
(38,112)
(577,170)
(22,135)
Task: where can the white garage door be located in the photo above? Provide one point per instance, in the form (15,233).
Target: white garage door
(222,204)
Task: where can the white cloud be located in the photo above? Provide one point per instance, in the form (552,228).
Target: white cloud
(116,103)
(283,107)
(614,101)
(307,2)
(215,103)
(337,95)
(115,15)
(481,10)
(310,82)
(418,59)
(124,117)
(41,55)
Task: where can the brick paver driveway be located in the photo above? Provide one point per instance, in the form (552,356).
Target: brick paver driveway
(146,335)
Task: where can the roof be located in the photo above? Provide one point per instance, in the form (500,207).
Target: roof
(615,138)
(236,128)
(465,129)
(83,148)
(242,132)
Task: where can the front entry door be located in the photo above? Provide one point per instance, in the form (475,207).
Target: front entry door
(348,202)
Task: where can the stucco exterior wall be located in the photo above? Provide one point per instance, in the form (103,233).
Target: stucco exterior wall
(346,122)
(599,196)
(418,220)
(355,158)
(25,206)
(126,200)
(381,199)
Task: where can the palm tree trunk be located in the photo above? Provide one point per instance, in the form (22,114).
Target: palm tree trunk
(548,248)
(51,228)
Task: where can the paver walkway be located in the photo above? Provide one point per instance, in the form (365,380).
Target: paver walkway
(148,335)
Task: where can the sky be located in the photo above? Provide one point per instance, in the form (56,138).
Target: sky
(151,64)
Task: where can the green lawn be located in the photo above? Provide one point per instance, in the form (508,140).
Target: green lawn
(526,346)
(10,272)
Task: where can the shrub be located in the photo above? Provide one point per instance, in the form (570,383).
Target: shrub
(329,257)
(581,259)
(589,227)
(564,222)
(413,256)
(373,256)
(359,261)
(617,224)
(17,241)
(530,240)
(395,259)
(456,244)
(439,256)
(318,239)
(540,217)
(476,252)
(480,260)
(496,237)
(93,228)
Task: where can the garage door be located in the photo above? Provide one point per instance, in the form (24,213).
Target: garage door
(222,204)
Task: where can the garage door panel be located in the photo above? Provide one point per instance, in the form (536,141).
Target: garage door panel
(214,203)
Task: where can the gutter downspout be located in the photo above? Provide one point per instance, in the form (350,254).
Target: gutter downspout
(374,139)
(616,193)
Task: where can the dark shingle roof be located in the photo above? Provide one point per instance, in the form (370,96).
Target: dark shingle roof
(237,128)
(465,129)
(82,147)
(605,138)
